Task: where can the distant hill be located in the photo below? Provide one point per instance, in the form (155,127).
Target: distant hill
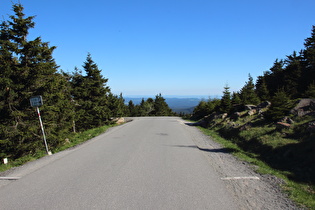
(184,105)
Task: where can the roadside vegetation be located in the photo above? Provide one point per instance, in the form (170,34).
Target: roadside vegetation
(302,193)
(73,140)
(271,123)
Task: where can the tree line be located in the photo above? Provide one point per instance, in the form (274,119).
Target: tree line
(150,107)
(72,102)
(288,79)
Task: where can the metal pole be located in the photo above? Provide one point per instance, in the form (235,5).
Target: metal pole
(42,127)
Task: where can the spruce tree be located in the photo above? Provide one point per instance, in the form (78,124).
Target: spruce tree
(248,94)
(132,109)
(310,92)
(117,105)
(292,75)
(309,56)
(200,110)
(161,107)
(226,103)
(91,93)
(28,69)
(146,107)
(236,100)
(261,89)
(280,106)
(274,78)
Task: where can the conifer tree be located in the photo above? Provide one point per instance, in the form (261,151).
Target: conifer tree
(226,104)
(92,96)
(309,56)
(27,69)
(141,108)
(274,78)
(248,94)
(236,100)
(292,75)
(200,110)
(161,107)
(117,105)
(205,108)
(261,89)
(146,107)
(280,106)
(310,92)
(132,109)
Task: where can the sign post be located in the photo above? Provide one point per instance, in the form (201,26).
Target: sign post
(37,101)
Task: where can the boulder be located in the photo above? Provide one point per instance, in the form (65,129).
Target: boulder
(119,120)
(303,107)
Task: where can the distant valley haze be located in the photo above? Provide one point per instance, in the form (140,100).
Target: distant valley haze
(178,103)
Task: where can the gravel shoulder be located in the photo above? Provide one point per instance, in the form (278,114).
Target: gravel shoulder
(251,190)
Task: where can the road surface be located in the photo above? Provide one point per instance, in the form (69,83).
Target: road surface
(149,163)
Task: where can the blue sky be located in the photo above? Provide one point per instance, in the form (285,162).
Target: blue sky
(172,47)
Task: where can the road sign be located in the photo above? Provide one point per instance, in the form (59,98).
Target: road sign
(36,101)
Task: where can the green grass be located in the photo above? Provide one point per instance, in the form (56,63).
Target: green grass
(82,137)
(303,194)
(73,140)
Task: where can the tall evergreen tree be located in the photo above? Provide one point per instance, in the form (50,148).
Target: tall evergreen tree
(161,107)
(292,75)
(280,106)
(309,56)
(146,107)
(236,100)
(132,109)
(261,89)
(226,103)
(117,105)
(27,69)
(92,96)
(248,94)
(310,92)
(274,78)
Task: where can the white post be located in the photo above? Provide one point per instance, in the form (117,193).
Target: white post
(42,127)
(5,161)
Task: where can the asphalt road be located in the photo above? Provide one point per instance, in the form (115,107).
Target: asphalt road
(149,163)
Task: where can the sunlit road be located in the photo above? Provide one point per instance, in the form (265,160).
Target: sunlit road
(149,163)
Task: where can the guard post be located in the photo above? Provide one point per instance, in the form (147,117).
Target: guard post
(37,101)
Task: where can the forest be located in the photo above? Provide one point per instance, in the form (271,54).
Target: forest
(287,80)
(271,122)
(72,102)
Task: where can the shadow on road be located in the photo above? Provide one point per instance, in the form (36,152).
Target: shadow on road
(219,150)
(192,124)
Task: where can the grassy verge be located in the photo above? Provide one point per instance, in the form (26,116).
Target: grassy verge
(301,193)
(73,140)
(82,137)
